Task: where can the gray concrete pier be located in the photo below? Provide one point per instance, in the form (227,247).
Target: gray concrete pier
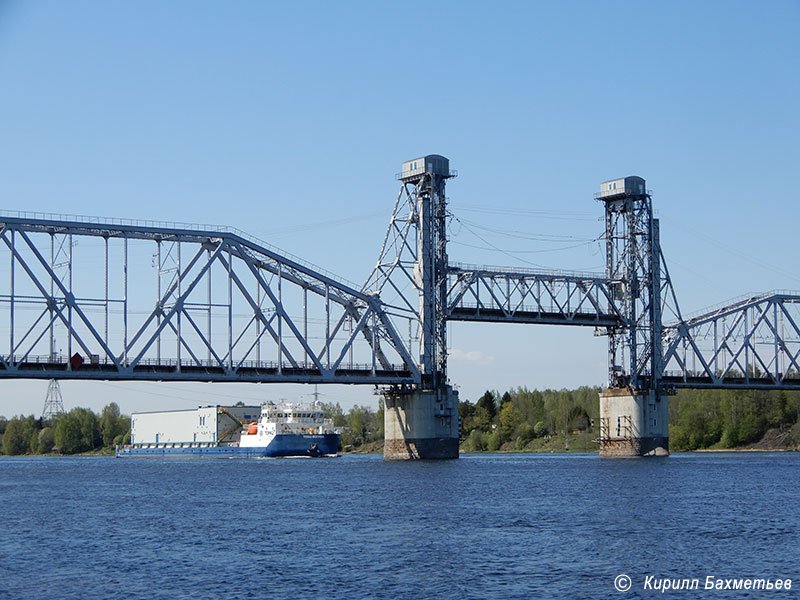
(633,423)
(420,424)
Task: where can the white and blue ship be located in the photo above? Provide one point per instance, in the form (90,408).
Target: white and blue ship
(276,430)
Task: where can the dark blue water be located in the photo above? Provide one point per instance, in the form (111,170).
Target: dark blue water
(484,526)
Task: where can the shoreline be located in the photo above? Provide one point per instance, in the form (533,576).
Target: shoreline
(95,453)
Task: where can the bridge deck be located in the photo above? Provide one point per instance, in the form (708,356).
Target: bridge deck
(750,383)
(494,315)
(266,373)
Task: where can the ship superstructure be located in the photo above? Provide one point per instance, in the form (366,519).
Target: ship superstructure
(276,429)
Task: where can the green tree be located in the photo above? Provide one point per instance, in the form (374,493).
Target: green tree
(67,436)
(110,423)
(77,431)
(335,413)
(16,439)
(510,419)
(475,442)
(466,410)
(494,441)
(695,419)
(362,426)
(485,411)
(123,425)
(47,439)
(578,418)
(525,434)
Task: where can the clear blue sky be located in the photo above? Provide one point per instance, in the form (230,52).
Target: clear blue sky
(289,120)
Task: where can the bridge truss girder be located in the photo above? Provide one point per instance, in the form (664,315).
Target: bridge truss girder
(515,296)
(215,306)
(752,343)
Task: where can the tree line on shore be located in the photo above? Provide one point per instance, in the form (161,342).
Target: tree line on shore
(516,420)
(359,426)
(527,420)
(729,418)
(521,419)
(79,430)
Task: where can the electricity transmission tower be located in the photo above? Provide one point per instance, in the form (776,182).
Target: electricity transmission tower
(53,402)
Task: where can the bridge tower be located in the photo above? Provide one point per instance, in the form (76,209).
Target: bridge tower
(633,410)
(420,421)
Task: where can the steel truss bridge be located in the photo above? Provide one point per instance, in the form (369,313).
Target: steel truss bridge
(83,298)
(101,300)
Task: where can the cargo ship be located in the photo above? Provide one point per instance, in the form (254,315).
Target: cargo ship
(271,430)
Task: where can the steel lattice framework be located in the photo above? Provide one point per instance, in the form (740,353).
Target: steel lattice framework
(412,268)
(146,301)
(85,299)
(517,296)
(750,343)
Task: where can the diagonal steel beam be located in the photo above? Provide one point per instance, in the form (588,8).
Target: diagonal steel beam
(176,308)
(68,297)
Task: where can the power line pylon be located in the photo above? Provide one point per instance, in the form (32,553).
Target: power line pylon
(53,402)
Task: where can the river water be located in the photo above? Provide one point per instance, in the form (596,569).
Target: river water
(483,526)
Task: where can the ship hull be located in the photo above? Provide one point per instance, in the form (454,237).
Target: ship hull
(313,445)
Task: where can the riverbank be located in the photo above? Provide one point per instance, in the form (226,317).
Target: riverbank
(773,441)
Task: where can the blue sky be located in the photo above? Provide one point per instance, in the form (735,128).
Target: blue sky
(289,120)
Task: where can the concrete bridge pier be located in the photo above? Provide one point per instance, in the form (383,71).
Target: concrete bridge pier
(633,423)
(421,423)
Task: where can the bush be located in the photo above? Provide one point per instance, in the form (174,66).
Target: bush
(525,433)
(475,442)
(495,441)
(540,429)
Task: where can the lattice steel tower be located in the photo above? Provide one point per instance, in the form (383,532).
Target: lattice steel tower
(419,422)
(53,402)
(415,251)
(633,411)
(632,266)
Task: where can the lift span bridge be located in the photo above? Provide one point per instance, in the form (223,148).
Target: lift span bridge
(83,298)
